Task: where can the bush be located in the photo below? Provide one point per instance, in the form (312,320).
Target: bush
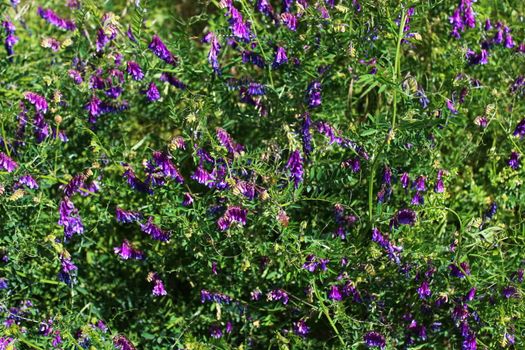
(258,174)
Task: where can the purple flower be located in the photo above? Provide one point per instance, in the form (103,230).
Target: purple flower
(67,265)
(301,328)
(96,81)
(6,343)
(245,188)
(383,241)
(134,70)
(126,251)
(328,131)
(94,108)
(66,273)
(130,35)
(424,290)
(3,284)
(470,342)
(46,328)
(278,295)
(520,129)
(161,51)
(252,57)
(255,295)
(187,199)
(514,160)
(57,340)
(451,107)
(256,89)
(471,294)
(477,58)
(229,327)
(280,57)
(227,142)
(152,93)
(295,166)
(7,163)
(9,27)
(215,332)
(509,42)
(158,289)
(213,54)
(114,92)
(404,179)
(38,101)
(75,75)
(314,94)
(289,20)
(51,17)
(69,218)
(312,263)
(387,175)
(135,183)
(122,343)
(418,199)
(103,39)
(459,272)
(493,208)
(419,184)
(74,184)
(498,38)
(51,43)
(439,187)
(172,80)
(125,217)
(335,293)
(509,292)
(163,161)
(203,177)
(510,338)
(423,99)
(178,143)
(232,214)
(374,339)
(238,26)
(10,39)
(306,134)
(353,163)
(214,297)
(102,326)
(154,231)
(462,17)
(42,129)
(26,180)
(488,25)
(404,217)
(88,188)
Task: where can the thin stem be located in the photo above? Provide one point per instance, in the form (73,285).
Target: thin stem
(252,20)
(397,65)
(371,182)
(327,314)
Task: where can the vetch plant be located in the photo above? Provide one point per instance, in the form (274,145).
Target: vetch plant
(262,174)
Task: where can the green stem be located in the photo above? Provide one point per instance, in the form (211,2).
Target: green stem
(371,181)
(252,20)
(397,65)
(371,193)
(327,314)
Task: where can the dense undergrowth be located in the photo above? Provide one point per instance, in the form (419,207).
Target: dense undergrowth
(262,174)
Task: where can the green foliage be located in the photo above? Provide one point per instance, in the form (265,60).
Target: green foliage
(372,74)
